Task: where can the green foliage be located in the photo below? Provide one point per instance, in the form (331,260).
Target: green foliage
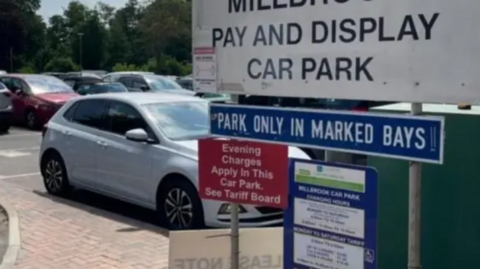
(120,67)
(61,65)
(152,36)
(27,69)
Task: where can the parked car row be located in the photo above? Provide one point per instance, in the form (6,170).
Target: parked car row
(140,148)
(33,99)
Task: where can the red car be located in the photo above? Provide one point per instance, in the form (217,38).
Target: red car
(35,98)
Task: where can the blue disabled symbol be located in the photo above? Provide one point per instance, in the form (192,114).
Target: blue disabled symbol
(369,255)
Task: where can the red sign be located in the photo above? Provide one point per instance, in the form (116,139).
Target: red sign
(243,172)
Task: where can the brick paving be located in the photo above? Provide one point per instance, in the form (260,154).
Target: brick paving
(3,232)
(56,235)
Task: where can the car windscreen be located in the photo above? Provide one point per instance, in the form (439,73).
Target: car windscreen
(47,85)
(181,120)
(161,84)
(110,88)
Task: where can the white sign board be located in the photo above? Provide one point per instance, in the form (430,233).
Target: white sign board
(210,249)
(204,69)
(390,50)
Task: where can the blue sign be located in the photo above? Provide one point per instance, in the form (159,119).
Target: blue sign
(415,138)
(331,220)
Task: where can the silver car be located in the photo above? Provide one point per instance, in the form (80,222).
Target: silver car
(6,113)
(140,148)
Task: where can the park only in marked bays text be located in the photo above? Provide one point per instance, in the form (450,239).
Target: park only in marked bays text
(327,130)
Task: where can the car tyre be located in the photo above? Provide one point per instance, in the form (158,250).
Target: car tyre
(4,128)
(31,119)
(179,207)
(54,173)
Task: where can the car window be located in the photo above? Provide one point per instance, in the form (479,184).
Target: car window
(186,84)
(107,79)
(2,87)
(181,120)
(68,115)
(46,84)
(123,117)
(108,88)
(90,113)
(84,89)
(126,81)
(162,83)
(69,82)
(139,83)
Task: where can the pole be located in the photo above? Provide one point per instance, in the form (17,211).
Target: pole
(414,206)
(234,236)
(11,59)
(80,48)
(329,157)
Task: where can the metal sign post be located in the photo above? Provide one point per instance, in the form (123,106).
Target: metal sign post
(414,206)
(234,236)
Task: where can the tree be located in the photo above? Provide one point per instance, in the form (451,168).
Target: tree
(19,30)
(61,65)
(164,21)
(93,43)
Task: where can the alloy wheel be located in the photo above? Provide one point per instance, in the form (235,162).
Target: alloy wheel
(179,208)
(31,119)
(53,176)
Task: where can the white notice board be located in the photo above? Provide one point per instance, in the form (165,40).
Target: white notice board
(414,51)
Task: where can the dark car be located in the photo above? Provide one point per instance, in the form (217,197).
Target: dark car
(56,74)
(96,88)
(152,83)
(75,82)
(186,83)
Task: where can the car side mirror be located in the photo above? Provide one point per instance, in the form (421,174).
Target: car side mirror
(18,92)
(144,88)
(137,135)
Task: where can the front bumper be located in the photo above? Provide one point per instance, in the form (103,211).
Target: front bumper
(253,216)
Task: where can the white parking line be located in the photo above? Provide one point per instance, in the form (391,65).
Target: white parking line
(21,149)
(19,175)
(19,135)
(18,152)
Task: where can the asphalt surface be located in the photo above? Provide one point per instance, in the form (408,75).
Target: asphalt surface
(19,150)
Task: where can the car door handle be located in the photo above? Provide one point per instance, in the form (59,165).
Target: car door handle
(101,143)
(65,132)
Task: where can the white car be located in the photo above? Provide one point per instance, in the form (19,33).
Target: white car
(140,148)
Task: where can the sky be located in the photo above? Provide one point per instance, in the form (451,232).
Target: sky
(54,7)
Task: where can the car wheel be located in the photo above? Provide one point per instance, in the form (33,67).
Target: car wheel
(31,119)
(4,128)
(179,207)
(54,174)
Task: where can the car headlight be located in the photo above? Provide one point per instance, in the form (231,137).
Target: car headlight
(226,208)
(51,106)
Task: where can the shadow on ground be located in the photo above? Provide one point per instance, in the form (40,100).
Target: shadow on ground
(137,217)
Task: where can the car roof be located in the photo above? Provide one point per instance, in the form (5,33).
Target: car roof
(23,76)
(142,98)
(130,73)
(83,78)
